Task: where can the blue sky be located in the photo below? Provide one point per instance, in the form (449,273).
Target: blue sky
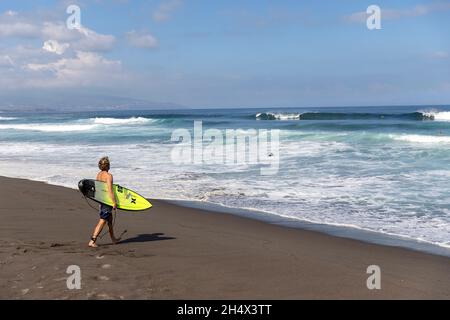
(218,53)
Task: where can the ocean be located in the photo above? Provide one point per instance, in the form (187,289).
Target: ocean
(380,170)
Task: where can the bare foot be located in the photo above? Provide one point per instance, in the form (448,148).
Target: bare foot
(92,244)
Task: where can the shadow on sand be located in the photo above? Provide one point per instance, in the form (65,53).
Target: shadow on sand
(147,238)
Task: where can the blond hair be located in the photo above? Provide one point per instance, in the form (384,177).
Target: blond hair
(103,164)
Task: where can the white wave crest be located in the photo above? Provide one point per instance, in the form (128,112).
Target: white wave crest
(278,116)
(74,126)
(117,121)
(7,118)
(437,115)
(421,138)
(49,127)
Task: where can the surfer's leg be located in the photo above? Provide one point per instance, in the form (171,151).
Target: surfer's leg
(92,242)
(97,231)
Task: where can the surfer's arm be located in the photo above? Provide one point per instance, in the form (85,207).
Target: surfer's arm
(109,182)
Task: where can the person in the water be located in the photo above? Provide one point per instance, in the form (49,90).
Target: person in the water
(105,211)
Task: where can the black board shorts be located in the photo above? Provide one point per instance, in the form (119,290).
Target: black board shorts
(105,212)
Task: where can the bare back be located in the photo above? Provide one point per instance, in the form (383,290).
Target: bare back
(107,177)
(104,176)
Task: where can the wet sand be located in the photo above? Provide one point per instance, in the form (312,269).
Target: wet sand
(173,252)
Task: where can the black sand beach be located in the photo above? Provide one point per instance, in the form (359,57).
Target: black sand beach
(176,252)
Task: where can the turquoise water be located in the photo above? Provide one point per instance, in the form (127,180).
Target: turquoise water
(379,169)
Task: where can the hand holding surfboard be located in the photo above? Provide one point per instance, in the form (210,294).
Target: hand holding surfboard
(126,199)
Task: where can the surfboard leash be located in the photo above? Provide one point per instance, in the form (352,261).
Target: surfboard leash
(114,219)
(113,225)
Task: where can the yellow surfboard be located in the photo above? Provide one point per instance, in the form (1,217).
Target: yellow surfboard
(126,199)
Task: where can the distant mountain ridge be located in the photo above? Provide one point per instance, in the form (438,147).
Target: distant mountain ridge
(69,102)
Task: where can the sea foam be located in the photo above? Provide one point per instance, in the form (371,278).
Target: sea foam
(49,127)
(74,126)
(437,115)
(118,121)
(278,116)
(421,138)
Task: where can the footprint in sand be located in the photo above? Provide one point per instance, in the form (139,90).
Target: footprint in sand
(102,278)
(103,296)
(25,291)
(56,245)
(20,250)
(106,266)
(60,279)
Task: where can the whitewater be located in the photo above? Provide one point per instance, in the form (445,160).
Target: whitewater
(383,170)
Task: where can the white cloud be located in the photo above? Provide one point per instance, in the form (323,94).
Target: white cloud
(441,55)
(93,41)
(58,31)
(10,13)
(85,69)
(357,17)
(18,29)
(394,14)
(6,61)
(142,40)
(21,53)
(14,25)
(55,47)
(64,59)
(165,10)
(83,39)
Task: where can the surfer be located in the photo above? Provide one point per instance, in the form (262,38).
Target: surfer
(105,211)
